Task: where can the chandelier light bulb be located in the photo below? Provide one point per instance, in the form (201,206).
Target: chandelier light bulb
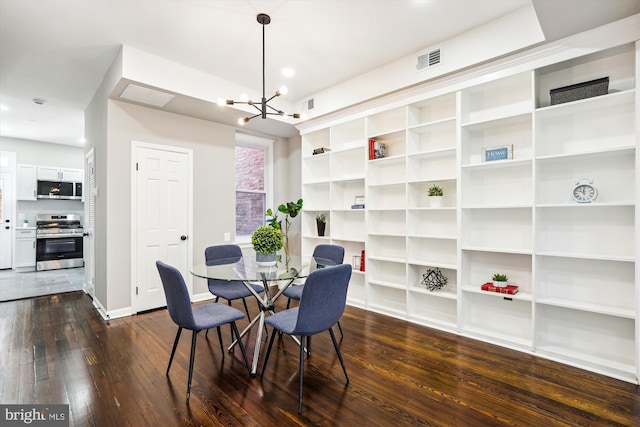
(244,97)
(283,90)
(242,121)
(221,102)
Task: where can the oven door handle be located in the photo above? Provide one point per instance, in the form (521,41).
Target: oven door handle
(57,236)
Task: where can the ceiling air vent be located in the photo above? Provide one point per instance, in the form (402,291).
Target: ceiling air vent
(145,95)
(428,60)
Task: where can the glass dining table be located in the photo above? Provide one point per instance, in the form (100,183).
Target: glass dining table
(247,270)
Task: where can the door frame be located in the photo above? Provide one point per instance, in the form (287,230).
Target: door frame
(134,215)
(8,192)
(8,164)
(89,193)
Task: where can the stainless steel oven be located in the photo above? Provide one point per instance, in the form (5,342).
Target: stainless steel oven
(59,241)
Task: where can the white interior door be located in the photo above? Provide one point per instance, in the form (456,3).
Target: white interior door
(163,214)
(6,218)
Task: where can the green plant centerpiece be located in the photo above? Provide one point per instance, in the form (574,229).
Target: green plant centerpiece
(266,241)
(500,280)
(290,210)
(321,222)
(435,196)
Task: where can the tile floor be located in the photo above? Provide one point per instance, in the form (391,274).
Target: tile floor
(17,285)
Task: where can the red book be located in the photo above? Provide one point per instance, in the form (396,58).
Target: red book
(509,289)
(372,143)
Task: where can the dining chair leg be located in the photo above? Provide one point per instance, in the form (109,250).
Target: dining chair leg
(220,340)
(191,360)
(335,345)
(230,328)
(301,374)
(173,350)
(244,353)
(246,309)
(266,356)
(340,328)
(288,303)
(206,334)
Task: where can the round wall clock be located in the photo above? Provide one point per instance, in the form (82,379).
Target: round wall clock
(584,191)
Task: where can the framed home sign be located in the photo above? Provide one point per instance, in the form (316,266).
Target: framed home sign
(503,152)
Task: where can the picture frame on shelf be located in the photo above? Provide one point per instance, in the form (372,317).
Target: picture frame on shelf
(501,152)
(358,202)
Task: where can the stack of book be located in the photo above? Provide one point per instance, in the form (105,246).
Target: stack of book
(321,150)
(377,150)
(509,289)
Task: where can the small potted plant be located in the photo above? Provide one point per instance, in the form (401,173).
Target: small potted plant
(435,196)
(266,241)
(321,222)
(500,280)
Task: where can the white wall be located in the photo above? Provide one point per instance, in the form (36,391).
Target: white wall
(481,44)
(96,131)
(213,146)
(44,153)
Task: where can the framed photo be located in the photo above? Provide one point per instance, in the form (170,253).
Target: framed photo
(359,200)
(502,152)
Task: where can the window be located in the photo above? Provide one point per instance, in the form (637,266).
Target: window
(253,160)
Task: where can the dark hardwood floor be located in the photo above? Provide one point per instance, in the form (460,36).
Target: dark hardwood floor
(57,349)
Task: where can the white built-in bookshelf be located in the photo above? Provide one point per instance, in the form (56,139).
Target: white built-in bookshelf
(575,264)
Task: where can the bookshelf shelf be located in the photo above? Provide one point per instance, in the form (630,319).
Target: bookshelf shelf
(575,265)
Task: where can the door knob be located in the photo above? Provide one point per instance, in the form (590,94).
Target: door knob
(183,237)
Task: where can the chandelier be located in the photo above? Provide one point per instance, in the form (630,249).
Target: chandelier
(263,106)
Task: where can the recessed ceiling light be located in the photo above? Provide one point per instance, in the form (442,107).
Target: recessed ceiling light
(39,101)
(288,72)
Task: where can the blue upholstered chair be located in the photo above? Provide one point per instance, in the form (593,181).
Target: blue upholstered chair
(334,253)
(225,289)
(322,303)
(194,318)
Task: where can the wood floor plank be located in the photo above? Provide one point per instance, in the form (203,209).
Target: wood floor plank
(113,374)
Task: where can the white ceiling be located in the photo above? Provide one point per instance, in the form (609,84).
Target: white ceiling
(59,50)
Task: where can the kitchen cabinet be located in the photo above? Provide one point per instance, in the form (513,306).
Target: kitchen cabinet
(49,173)
(25,249)
(26,183)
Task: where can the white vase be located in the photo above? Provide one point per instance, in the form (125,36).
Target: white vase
(435,201)
(500,284)
(265,260)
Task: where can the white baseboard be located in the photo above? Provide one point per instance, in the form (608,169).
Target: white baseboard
(114,314)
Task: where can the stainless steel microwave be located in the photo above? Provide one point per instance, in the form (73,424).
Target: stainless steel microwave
(59,190)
